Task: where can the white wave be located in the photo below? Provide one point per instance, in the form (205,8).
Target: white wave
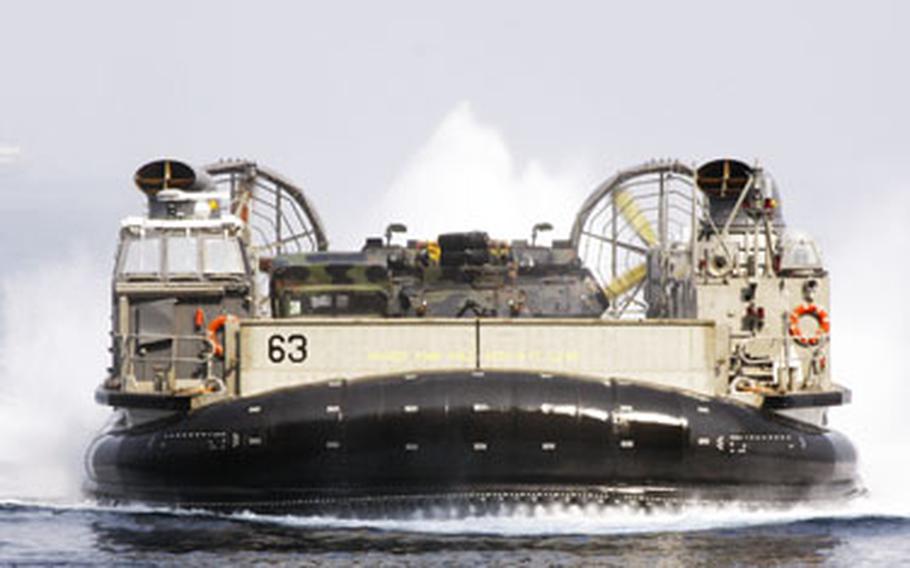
(536,520)
(582,520)
(465,177)
(53,352)
(869,337)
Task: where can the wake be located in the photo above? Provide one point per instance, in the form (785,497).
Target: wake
(528,520)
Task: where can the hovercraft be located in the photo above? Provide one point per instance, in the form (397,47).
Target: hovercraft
(674,349)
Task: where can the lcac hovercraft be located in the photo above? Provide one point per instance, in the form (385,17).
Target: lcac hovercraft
(675,348)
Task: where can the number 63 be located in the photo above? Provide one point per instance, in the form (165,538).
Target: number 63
(292,348)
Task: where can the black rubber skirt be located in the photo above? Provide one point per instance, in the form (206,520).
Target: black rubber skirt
(468,439)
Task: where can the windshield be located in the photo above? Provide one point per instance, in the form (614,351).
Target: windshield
(180,256)
(141,257)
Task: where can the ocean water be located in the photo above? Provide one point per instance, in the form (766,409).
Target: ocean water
(84,533)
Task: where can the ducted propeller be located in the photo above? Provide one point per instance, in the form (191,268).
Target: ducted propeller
(627,207)
(626,281)
(628,215)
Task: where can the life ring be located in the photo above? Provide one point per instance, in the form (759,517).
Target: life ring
(820,315)
(212,333)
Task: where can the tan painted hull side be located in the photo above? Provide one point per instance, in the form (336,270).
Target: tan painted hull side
(684,354)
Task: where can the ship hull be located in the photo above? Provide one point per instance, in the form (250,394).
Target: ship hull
(469,440)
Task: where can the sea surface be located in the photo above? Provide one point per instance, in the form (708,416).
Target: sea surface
(34,533)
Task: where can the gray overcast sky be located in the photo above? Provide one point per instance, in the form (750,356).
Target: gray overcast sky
(345,96)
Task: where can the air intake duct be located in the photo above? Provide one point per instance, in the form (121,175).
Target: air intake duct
(723,179)
(171,174)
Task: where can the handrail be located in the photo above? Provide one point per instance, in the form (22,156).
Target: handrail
(132,360)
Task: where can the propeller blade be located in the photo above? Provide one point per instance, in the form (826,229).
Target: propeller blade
(628,208)
(626,281)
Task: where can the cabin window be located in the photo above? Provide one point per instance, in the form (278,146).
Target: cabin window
(182,256)
(320,302)
(176,256)
(142,257)
(222,256)
(333,303)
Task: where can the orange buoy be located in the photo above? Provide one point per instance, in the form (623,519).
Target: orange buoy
(820,315)
(212,333)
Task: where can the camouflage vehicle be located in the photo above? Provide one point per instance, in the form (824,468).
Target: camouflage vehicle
(675,347)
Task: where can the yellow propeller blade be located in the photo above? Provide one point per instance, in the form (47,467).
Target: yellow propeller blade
(626,281)
(628,208)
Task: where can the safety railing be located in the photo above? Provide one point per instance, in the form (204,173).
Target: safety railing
(140,363)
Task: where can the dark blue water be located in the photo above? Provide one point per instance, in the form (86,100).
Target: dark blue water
(88,534)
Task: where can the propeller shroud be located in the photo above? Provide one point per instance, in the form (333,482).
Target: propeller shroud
(279,217)
(655,205)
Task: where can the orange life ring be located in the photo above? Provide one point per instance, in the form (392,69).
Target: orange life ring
(212,333)
(820,315)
